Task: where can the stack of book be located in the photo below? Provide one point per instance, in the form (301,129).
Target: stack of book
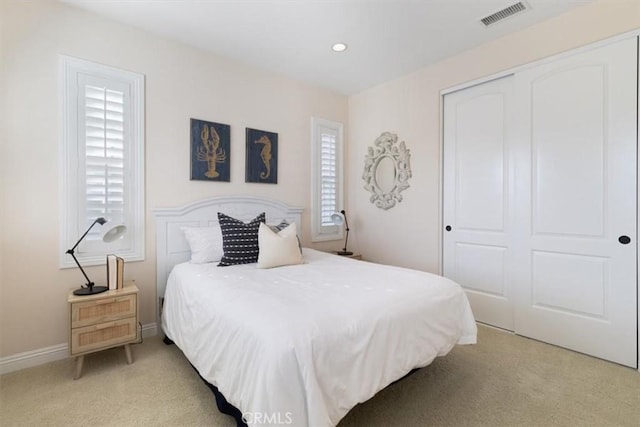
(115,272)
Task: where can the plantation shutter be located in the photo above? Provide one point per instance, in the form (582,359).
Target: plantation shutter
(326,166)
(102,139)
(328,180)
(102,160)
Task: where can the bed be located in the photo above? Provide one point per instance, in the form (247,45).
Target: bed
(299,344)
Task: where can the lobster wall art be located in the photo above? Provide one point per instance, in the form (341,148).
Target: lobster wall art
(210,151)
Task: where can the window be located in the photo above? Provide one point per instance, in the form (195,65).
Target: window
(102,162)
(327,185)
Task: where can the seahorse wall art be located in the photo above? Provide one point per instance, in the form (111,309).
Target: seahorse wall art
(210,144)
(265,155)
(262,156)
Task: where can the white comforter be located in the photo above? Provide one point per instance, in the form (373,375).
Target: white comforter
(302,345)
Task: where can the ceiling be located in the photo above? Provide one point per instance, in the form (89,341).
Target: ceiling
(386,38)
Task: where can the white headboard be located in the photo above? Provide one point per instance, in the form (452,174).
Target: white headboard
(172,247)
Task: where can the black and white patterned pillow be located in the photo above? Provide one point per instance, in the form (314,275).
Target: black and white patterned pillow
(239,240)
(278,228)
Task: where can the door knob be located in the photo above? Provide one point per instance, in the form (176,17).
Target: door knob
(448,228)
(625,240)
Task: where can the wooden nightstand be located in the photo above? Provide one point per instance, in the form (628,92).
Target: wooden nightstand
(102,321)
(354,256)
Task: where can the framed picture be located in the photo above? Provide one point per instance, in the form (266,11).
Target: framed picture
(262,157)
(210,151)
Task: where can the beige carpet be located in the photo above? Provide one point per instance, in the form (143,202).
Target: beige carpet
(504,380)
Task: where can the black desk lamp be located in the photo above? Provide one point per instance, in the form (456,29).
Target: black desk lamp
(111,235)
(338,219)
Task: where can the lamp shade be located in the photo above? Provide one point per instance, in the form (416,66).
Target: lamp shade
(337,218)
(113,233)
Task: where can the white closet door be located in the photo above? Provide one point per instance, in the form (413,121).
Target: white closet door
(576,200)
(476,208)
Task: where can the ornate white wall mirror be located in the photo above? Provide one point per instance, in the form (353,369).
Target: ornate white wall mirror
(386,170)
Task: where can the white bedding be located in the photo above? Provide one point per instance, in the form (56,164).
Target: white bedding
(304,344)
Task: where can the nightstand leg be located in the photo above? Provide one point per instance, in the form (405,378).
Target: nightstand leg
(127,350)
(79,363)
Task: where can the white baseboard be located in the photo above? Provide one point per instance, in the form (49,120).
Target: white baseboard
(44,355)
(37,357)
(149,330)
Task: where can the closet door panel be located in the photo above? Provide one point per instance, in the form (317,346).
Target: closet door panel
(570,283)
(576,185)
(568,146)
(480,172)
(477,183)
(481,268)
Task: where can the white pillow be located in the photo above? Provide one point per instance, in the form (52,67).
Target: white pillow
(205,243)
(278,249)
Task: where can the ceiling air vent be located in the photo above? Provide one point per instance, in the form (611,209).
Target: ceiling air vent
(504,13)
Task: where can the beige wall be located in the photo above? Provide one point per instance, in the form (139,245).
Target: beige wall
(181,83)
(408,234)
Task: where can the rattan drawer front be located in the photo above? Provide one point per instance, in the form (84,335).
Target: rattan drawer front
(103,335)
(102,310)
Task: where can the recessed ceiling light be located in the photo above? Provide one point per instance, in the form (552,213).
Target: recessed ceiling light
(339,47)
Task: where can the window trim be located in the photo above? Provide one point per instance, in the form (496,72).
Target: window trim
(321,233)
(70,68)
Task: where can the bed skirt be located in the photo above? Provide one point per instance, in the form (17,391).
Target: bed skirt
(223,406)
